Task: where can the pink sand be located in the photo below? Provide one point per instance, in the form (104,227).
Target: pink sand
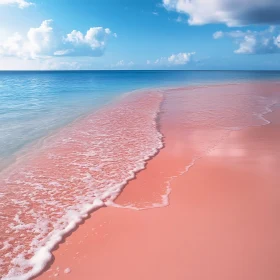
(222,221)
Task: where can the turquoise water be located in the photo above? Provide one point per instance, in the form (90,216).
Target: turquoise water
(32,104)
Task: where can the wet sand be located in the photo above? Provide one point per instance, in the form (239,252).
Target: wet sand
(222,221)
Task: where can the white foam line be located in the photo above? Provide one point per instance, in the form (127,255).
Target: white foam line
(43,255)
(268,109)
(165,197)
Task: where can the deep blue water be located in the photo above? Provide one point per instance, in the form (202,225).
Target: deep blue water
(32,104)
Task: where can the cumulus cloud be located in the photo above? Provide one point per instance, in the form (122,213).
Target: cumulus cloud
(174,59)
(253,42)
(36,42)
(43,41)
(20,3)
(248,45)
(180,58)
(229,12)
(92,43)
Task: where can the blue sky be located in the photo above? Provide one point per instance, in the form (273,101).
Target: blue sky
(140,34)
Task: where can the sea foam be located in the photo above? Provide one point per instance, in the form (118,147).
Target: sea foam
(83,167)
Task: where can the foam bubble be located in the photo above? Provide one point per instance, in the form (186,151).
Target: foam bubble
(67,270)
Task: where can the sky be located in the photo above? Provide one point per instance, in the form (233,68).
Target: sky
(139,34)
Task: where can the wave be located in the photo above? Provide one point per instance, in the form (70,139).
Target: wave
(80,169)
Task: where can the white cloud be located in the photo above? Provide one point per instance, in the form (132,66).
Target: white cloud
(20,3)
(229,12)
(218,34)
(180,58)
(60,65)
(174,59)
(253,42)
(120,63)
(43,42)
(276,41)
(123,64)
(92,43)
(37,42)
(63,52)
(248,45)
(52,63)
(180,19)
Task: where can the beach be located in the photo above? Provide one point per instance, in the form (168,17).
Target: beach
(139,140)
(206,206)
(161,183)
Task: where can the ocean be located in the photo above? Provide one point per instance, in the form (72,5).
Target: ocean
(69,142)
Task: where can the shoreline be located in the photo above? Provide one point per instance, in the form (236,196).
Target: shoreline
(89,129)
(123,200)
(37,143)
(67,256)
